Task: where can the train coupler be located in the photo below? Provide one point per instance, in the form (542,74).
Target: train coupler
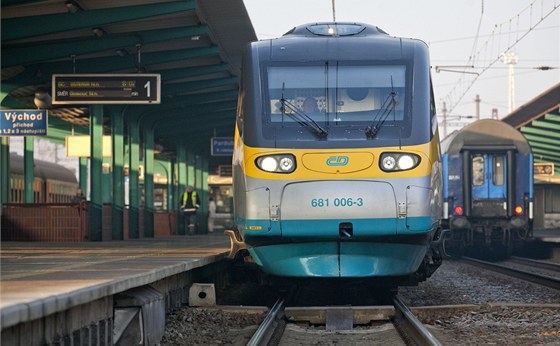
(437,247)
(236,243)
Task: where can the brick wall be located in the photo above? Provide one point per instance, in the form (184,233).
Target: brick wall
(45,222)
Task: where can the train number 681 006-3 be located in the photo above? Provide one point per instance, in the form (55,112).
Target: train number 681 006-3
(337,202)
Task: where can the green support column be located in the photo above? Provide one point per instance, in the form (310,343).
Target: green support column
(83,175)
(107,180)
(204,197)
(117,141)
(4,170)
(96,172)
(190,167)
(198,186)
(182,185)
(198,173)
(170,184)
(28,168)
(149,183)
(133,186)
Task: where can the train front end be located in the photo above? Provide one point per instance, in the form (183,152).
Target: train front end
(336,160)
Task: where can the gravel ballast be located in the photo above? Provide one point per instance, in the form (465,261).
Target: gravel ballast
(500,317)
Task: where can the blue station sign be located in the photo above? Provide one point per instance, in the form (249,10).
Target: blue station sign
(221,146)
(23,122)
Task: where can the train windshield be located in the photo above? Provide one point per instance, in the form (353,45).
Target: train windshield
(337,94)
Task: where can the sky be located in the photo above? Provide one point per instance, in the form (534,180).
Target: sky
(459,33)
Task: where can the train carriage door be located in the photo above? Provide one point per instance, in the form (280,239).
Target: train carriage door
(489,176)
(488,181)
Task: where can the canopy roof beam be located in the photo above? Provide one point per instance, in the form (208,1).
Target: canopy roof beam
(32,26)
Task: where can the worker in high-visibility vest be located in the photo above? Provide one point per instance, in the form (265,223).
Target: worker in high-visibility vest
(190,202)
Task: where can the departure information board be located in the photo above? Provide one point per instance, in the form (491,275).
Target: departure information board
(106,88)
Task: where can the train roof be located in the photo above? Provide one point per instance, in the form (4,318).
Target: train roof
(340,41)
(42,169)
(335,29)
(485,134)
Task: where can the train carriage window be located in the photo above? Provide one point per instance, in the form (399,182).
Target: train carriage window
(498,170)
(478,170)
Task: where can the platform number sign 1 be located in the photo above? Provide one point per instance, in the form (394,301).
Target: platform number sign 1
(106,88)
(147,87)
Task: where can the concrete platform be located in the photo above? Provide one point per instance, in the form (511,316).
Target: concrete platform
(548,235)
(545,245)
(39,279)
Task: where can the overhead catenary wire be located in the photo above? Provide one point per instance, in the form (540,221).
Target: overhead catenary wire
(491,36)
(466,81)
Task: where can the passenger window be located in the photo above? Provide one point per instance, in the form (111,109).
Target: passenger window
(498,170)
(478,170)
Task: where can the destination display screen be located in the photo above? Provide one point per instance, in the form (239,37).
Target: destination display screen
(106,88)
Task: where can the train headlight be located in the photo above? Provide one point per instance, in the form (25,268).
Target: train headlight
(389,163)
(406,162)
(393,162)
(286,164)
(269,164)
(282,163)
(459,222)
(518,222)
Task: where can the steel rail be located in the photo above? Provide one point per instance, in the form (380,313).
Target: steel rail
(536,263)
(411,326)
(266,330)
(517,273)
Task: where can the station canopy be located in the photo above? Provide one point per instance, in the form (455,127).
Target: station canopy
(539,121)
(196,46)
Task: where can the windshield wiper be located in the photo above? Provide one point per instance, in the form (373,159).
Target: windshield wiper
(300,116)
(381,115)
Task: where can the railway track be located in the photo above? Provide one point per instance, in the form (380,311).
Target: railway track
(271,326)
(391,325)
(542,273)
(550,266)
(410,328)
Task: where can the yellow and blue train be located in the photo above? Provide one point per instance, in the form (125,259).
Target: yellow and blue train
(336,164)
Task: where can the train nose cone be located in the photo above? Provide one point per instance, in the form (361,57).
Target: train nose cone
(338,162)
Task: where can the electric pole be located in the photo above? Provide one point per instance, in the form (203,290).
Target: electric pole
(444,111)
(477,108)
(510,59)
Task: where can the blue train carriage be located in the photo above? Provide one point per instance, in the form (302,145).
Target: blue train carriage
(336,165)
(487,188)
